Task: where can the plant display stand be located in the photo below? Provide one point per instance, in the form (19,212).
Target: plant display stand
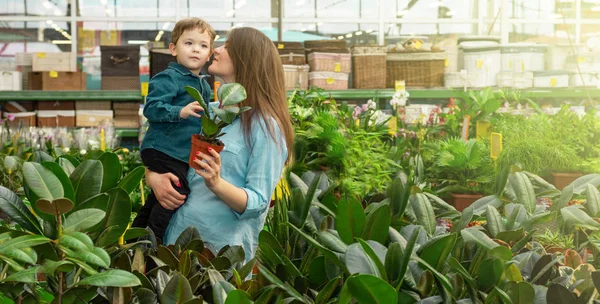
(561,180)
(462,201)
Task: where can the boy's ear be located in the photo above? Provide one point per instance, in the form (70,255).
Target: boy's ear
(172,49)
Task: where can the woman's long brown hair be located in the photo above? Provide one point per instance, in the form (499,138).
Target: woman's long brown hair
(258,68)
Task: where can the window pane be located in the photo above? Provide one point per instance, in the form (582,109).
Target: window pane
(406,9)
(228,8)
(126,8)
(34,7)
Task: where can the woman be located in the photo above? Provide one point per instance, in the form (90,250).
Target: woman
(231,194)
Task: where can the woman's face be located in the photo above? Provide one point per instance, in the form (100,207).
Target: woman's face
(222,65)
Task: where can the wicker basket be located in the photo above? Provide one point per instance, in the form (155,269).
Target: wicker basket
(368,67)
(159,60)
(326,46)
(328,80)
(296,76)
(329,62)
(121,83)
(418,69)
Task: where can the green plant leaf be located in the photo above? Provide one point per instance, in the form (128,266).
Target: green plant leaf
(512,273)
(99,201)
(494,221)
(563,200)
(62,177)
(50,267)
(374,258)
(573,215)
(112,170)
(226,115)
(440,278)
(327,292)
(331,241)
(189,234)
(326,252)
(71,159)
(368,289)
(87,179)
(118,213)
(16,210)
(269,276)
(490,272)
(501,181)
(56,207)
(399,194)
(209,127)
(266,237)
(40,182)
(196,96)
(178,290)
(238,297)
(424,212)
(405,255)
(475,235)
(524,191)
(436,251)
(77,241)
(378,224)
(580,184)
(133,233)
(558,294)
(465,218)
(28,275)
(97,257)
(350,219)
(592,200)
(66,165)
(231,94)
(109,236)
(132,180)
(23,242)
(300,202)
(83,219)
(111,278)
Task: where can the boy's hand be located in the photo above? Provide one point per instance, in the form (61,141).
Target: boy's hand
(191,109)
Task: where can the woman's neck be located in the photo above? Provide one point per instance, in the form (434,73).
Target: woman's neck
(229,80)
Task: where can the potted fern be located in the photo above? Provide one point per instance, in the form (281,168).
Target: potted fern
(216,118)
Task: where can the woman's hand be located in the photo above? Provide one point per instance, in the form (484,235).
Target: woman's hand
(211,167)
(166,195)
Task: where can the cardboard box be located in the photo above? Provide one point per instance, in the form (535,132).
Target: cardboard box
(28,119)
(19,106)
(57,81)
(92,118)
(58,62)
(56,118)
(10,81)
(64,105)
(93,105)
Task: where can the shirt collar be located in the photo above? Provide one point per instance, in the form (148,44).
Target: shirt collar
(183,70)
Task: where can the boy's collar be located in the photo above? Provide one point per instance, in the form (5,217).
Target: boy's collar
(183,70)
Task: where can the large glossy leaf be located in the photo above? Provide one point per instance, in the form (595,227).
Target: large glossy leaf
(23,242)
(26,276)
(490,272)
(132,180)
(404,256)
(524,191)
(494,221)
(325,251)
(87,180)
(196,96)
(84,219)
(563,200)
(111,278)
(266,237)
(99,201)
(362,258)
(580,184)
(574,215)
(378,224)
(424,212)
(189,234)
(328,291)
(55,207)
(50,267)
(178,290)
(370,289)
(16,210)
(97,257)
(76,241)
(63,178)
(24,255)
(226,115)
(350,219)
(331,240)
(436,251)
(209,127)
(231,94)
(11,162)
(300,202)
(475,235)
(112,170)
(273,279)
(40,182)
(238,297)
(593,200)
(558,294)
(501,181)
(480,206)
(118,212)
(66,165)
(398,193)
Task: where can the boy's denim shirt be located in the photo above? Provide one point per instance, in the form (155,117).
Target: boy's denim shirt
(167,132)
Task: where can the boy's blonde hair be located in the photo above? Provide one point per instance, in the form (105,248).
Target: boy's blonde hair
(189,24)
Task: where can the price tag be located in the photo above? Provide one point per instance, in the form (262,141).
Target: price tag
(581,59)
(418,44)
(510,64)
(330,80)
(552,82)
(53,74)
(495,145)
(280,46)
(338,67)
(392,126)
(522,66)
(479,63)
(41,55)
(145,88)
(447,62)
(400,85)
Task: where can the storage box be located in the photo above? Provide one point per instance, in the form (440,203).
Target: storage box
(25,71)
(131,122)
(59,62)
(556,57)
(291,53)
(19,106)
(56,119)
(325,46)
(123,60)
(515,80)
(92,118)
(417,69)
(296,76)
(585,79)
(485,60)
(328,80)
(65,105)
(520,57)
(368,67)
(10,81)
(25,119)
(463,79)
(24,58)
(159,60)
(329,62)
(551,79)
(93,105)
(57,81)
(121,83)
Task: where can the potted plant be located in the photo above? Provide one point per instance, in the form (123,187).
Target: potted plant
(461,169)
(216,118)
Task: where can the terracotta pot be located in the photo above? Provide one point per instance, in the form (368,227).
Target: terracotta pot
(556,249)
(561,180)
(462,201)
(199,145)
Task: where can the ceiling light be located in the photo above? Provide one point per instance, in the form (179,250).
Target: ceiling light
(49,21)
(303,29)
(240,4)
(217,37)
(319,23)
(47,4)
(369,31)
(556,16)
(159,35)
(358,33)
(166,25)
(103,2)
(348,35)
(61,41)
(107,11)
(300,2)
(340,37)
(57,12)
(230,13)
(137,41)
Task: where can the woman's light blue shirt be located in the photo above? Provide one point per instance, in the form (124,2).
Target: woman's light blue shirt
(256,169)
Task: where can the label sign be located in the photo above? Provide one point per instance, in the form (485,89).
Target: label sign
(495,145)
(338,67)
(330,80)
(53,74)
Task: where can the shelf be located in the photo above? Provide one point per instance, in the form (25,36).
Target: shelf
(351,94)
(127,132)
(70,95)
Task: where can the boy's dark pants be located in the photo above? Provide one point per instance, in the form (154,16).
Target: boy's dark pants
(152,214)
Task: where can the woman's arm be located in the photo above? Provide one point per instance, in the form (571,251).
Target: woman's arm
(166,195)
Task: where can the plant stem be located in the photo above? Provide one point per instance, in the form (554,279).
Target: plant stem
(60,287)
(4,270)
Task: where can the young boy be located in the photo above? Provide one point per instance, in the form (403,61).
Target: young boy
(173,115)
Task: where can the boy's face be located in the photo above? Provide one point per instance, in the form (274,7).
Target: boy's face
(192,50)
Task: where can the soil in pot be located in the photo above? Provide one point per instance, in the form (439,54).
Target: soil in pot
(200,145)
(561,180)
(462,201)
